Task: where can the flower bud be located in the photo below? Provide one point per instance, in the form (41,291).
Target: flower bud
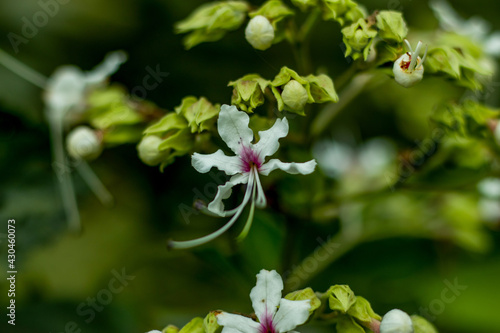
(149,151)
(409,69)
(294,95)
(83,142)
(396,321)
(260,33)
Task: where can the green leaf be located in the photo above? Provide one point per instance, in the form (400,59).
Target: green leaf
(341,298)
(305,294)
(362,311)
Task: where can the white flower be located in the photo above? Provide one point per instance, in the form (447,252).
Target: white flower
(275,314)
(396,321)
(260,33)
(67,87)
(83,142)
(409,68)
(244,168)
(476,28)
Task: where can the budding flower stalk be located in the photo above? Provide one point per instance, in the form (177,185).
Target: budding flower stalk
(409,69)
(260,33)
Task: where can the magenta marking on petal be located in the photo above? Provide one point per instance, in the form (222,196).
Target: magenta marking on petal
(266,325)
(249,158)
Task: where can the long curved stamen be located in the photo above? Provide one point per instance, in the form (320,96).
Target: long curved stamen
(248,224)
(261,197)
(22,70)
(408,45)
(414,57)
(63,174)
(205,239)
(425,55)
(94,183)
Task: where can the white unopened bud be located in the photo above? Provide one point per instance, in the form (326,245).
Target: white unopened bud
(83,142)
(260,33)
(294,95)
(396,321)
(149,150)
(409,68)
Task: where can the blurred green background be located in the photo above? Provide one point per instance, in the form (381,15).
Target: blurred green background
(59,271)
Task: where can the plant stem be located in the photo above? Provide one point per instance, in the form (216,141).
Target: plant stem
(22,70)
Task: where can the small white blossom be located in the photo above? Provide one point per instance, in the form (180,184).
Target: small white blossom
(476,28)
(83,142)
(260,33)
(244,168)
(396,321)
(275,314)
(409,68)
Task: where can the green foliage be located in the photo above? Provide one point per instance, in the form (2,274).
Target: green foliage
(343,11)
(248,92)
(392,26)
(358,38)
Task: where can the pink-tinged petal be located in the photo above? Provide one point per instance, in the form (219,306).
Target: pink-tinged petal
(239,323)
(293,168)
(268,143)
(266,294)
(233,128)
(231,165)
(291,314)
(224,192)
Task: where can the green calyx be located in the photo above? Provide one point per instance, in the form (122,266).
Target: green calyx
(304,5)
(392,26)
(343,11)
(200,113)
(211,21)
(358,38)
(293,92)
(248,92)
(305,294)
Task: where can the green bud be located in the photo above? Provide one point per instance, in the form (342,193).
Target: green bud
(294,96)
(392,27)
(210,324)
(304,5)
(200,113)
(211,21)
(362,311)
(341,298)
(84,143)
(149,150)
(421,325)
(170,329)
(305,294)
(194,326)
(358,38)
(342,11)
(248,92)
(260,33)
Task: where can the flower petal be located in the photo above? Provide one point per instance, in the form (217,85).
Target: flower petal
(291,314)
(266,294)
(233,322)
(293,168)
(233,128)
(110,65)
(268,143)
(223,192)
(231,165)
